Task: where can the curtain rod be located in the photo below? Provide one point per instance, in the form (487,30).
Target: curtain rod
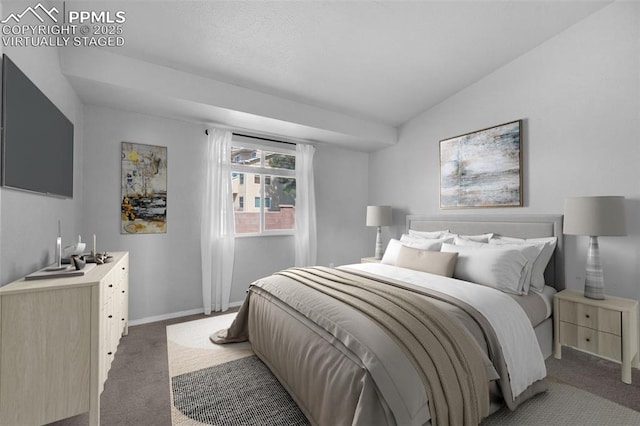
(206,132)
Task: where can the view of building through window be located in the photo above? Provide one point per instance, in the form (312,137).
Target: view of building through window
(264,190)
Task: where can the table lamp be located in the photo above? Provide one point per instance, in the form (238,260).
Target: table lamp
(379,216)
(594,216)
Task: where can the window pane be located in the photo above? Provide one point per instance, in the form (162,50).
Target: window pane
(273,196)
(238,189)
(247,222)
(280,213)
(245,156)
(282,190)
(247,218)
(279,161)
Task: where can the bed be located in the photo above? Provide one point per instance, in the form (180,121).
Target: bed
(375,343)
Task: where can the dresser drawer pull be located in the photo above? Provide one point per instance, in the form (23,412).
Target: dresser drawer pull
(111,285)
(588,340)
(109,353)
(110,316)
(587,315)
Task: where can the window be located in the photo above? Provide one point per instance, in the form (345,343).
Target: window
(273,187)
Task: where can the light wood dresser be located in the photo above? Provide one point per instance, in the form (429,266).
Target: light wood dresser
(608,327)
(58,337)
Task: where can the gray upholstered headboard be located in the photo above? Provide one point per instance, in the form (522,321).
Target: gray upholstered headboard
(520,226)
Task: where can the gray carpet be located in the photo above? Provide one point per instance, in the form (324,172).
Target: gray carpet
(244,392)
(137,391)
(565,405)
(596,375)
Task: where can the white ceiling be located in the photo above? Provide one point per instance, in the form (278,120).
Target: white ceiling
(379,61)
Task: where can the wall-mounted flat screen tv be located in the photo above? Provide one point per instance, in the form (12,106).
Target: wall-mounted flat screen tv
(37,139)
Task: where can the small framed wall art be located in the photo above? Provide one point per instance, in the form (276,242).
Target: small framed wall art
(482,168)
(144,189)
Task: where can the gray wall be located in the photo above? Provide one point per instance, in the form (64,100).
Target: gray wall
(165,268)
(342,182)
(579,96)
(29,222)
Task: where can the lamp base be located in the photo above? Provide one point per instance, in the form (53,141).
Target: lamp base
(594,278)
(379,248)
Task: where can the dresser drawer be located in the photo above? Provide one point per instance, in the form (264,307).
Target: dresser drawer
(588,339)
(594,317)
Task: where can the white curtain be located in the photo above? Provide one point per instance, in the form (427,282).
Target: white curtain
(217,240)
(306,238)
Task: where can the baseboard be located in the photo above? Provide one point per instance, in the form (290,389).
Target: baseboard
(174,315)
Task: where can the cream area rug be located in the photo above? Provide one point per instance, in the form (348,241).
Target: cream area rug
(228,385)
(223,384)
(189,350)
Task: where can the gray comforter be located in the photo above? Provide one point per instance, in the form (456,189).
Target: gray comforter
(358,349)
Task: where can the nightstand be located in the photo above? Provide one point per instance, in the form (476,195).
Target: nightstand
(608,328)
(370,260)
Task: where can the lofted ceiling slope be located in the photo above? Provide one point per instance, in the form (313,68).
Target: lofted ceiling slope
(374,64)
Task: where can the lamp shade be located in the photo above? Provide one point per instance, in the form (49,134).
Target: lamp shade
(378,215)
(595,216)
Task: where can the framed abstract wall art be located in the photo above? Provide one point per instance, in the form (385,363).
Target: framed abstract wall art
(144,189)
(482,168)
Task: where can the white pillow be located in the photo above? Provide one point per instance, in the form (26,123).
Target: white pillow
(481,238)
(530,251)
(502,269)
(391,253)
(539,266)
(427,234)
(424,243)
(461,241)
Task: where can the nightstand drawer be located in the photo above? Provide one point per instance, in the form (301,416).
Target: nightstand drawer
(588,339)
(593,317)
